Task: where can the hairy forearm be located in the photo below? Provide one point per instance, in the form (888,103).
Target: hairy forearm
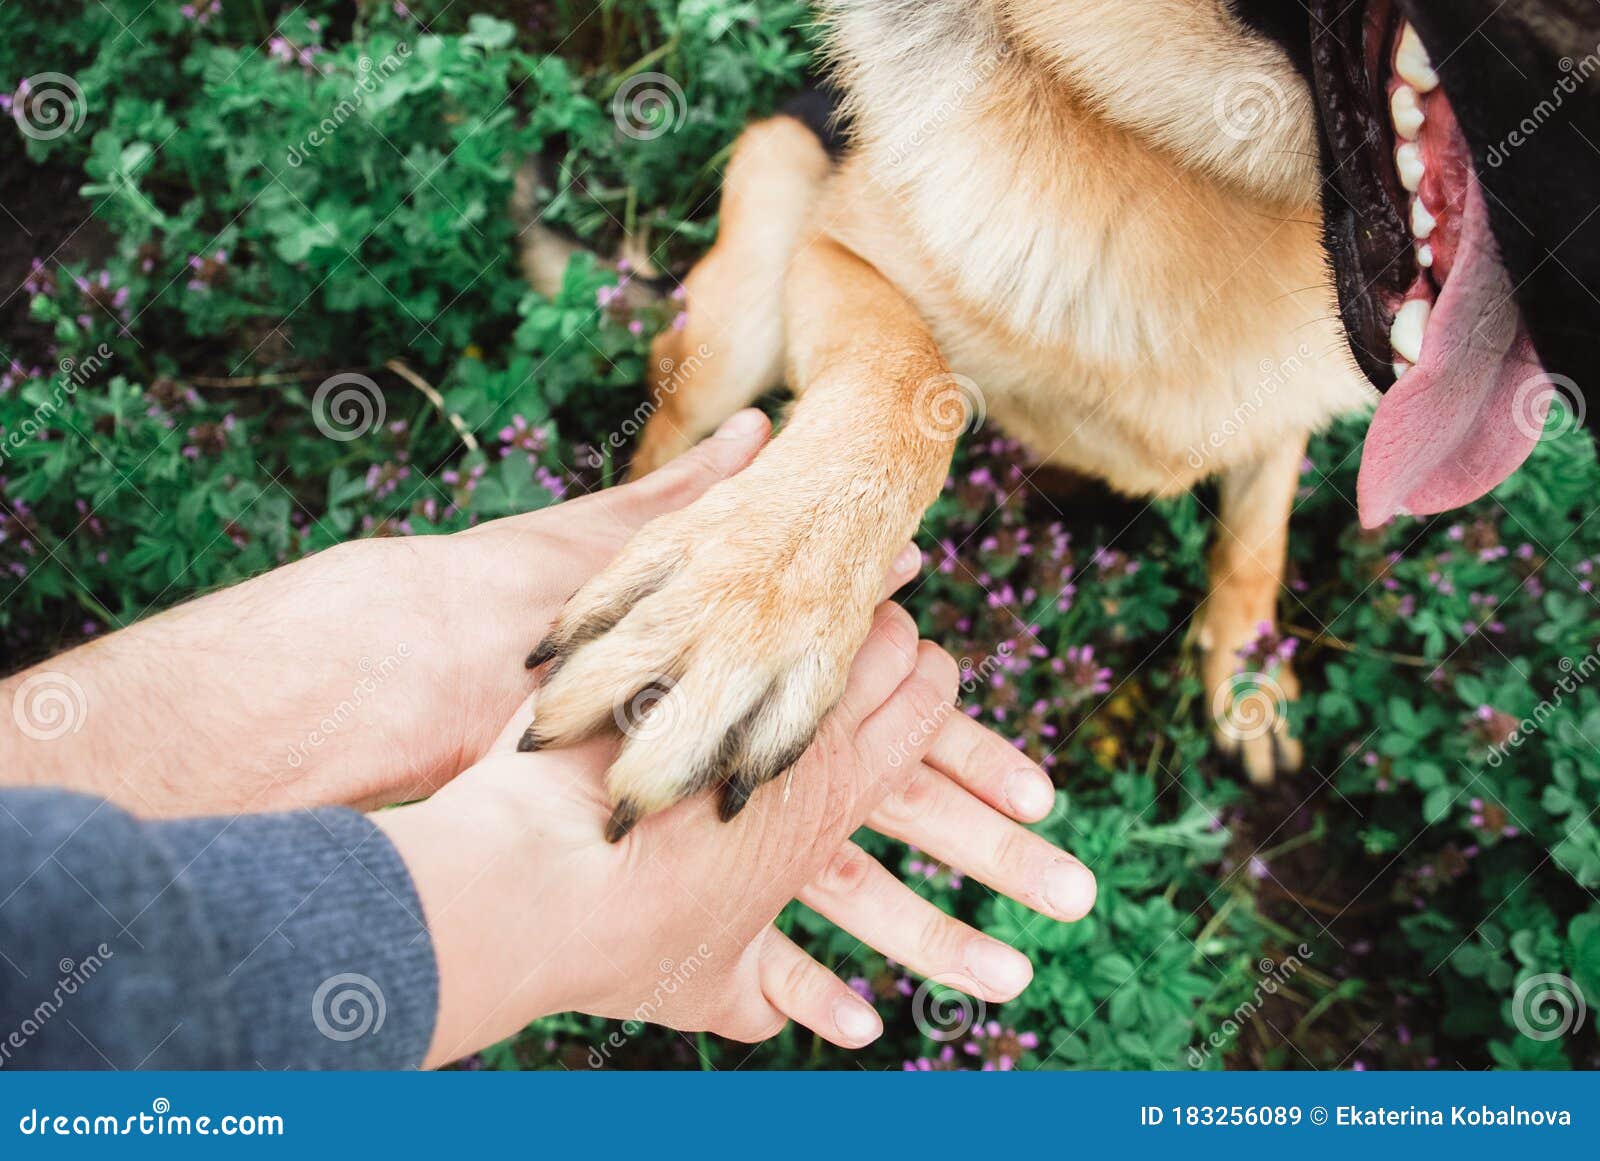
(300,687)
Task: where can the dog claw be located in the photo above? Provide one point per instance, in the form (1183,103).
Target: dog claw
(735,797)
(1262,760)
(622,820)
(530,742)
(675,652)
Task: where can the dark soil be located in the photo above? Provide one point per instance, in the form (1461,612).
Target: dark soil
(41,216)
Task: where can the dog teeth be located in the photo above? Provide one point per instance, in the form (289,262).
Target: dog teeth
(1422,222)
(1408,160)
(1412,64)
(1400,368)
(1405,336)
(1425,255)
(1405,110)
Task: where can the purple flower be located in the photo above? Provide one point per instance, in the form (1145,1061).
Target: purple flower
(933,871)
(202,13)
(999,1048)
(1079,669)
(944,1062)
(40,280)
(1268,651)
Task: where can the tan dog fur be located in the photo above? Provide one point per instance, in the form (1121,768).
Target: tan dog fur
(1041,198)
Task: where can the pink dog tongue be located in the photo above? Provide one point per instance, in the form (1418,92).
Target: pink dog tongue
(1467,415)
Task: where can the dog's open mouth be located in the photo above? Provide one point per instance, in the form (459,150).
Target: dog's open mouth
(1424,294)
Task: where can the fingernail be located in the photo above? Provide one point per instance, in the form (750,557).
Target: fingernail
(1030,794)
(1069,889)
(1003,970)
(857,1023)
(907,562)
(742,424)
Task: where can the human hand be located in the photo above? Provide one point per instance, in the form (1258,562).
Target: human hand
(532,912)
(521,571)
(367,674)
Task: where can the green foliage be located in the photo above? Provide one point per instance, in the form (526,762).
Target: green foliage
(278,193)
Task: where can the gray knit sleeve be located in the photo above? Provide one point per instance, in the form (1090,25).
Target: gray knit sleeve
(263,941)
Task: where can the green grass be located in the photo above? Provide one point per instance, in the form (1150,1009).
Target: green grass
(218,264)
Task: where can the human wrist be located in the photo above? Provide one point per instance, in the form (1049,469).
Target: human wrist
(485,895)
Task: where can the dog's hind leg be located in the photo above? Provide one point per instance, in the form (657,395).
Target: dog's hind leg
(730,346)
(1248,693)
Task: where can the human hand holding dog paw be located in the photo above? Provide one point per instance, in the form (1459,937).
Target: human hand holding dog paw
(372,672)
(532,912)
(722,633)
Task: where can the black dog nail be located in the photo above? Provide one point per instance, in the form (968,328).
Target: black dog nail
(622,821)
(735,796)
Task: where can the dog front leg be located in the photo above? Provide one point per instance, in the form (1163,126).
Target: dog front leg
(1249,693)
(723,633)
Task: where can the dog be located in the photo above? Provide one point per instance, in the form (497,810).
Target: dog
(1159,242)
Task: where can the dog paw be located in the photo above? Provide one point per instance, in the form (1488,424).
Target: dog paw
(1250,684)
(713,645)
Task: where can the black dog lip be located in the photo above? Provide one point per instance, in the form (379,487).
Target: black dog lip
(1350,223)
(1367,237)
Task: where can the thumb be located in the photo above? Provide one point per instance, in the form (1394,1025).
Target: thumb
(692,474)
